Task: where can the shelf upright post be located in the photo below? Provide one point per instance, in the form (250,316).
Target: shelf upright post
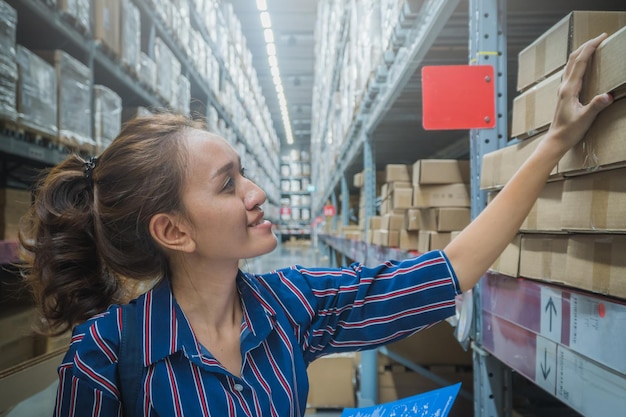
(345,201)
(487,25)
(333,201)
(368,393)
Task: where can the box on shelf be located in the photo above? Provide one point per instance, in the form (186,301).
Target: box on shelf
(534,108)
(107,115)
(545,215)
(440,171)
(392,221)
(8,62)
(603,146)
(508,261)
(106,24)
(398,199)
(332,381)
(550,51)
(409,239)
(397,172)
(445,219)
(387,238)
(542,257)
(147,71)
(607,70)
(448,195)
(73,99)
(430,240)
(413,220)
(595,202)
(36,92)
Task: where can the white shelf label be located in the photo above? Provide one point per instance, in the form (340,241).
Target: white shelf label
(545,365)
(551,314)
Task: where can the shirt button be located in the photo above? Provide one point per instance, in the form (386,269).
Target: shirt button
(238,387)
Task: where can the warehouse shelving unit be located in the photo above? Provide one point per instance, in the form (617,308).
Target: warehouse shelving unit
(24,152)
(566,342)
(295,211)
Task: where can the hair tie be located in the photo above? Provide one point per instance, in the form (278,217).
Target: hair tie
(89,166)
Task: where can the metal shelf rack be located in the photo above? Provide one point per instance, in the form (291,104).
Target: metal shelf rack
(566,342)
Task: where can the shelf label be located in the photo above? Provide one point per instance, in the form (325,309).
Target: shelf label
(329,210)
(545,365)
(551,313)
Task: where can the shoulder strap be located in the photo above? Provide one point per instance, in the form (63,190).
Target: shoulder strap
(130,362)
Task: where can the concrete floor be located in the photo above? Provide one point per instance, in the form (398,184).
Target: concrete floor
(286,254)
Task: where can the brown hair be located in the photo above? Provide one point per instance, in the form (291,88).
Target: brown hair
(89,228)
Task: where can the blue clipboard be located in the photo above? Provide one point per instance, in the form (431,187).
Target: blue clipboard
(436,403)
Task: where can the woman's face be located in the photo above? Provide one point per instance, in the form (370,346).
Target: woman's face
(222,204)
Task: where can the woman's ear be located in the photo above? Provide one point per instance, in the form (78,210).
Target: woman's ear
(171,233)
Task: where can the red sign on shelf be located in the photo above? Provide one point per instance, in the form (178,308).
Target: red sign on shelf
(285,211)
(329,210)
(458,97)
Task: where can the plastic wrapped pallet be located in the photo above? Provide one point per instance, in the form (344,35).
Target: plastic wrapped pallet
(131,37)
(108,116)
(79,12)
(147,71)
(184,94)
(8,64)
(36,93)
(73,98)
(168,70)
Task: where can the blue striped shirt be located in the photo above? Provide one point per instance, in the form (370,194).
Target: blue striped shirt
(290,317)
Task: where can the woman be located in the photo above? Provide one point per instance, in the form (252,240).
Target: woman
(168,202)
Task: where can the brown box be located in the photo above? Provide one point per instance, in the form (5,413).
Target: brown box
(550,51)
(358,179)
(392,221)
(445,219)
(436,345)
(508,261)
(409,239)
(597,263)
(107,24)
(400,199)
(331,381)
(375,222)
(545,215)
(595,202)
(440,171)
(397,172)
(533,109)
(430,240)
(413,219)
(449,195)
(542,257)
(607,71)
(603,145)
(498,167)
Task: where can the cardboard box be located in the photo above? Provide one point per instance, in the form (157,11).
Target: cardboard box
(392,221)
(331,381)
(542,257)
(498,167)
(449,195)
(595,202)
(375,222)
(435,345)
(107,24)
(413,220)
(430,240)
(533,109)
(545,215)
(508,261)
(603,147)
(440,171)
(597,263)
(409,239)
(397,172)
(550,51)
(445,219)
(607,71)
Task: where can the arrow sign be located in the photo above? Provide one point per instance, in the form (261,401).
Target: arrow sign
(551,310)
(544,377)
(545,369)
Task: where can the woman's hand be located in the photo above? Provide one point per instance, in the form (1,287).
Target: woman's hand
(572,119)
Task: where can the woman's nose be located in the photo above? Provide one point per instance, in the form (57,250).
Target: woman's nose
(254,197)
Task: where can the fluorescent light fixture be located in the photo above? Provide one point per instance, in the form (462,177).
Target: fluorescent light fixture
(275,73)
(272,60)
(268,34)
(276,79)
(261,5)
(279,88)
(266,21)
(271,49)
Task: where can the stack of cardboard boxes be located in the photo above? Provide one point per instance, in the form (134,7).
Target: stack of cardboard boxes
(577,228)
(421,205)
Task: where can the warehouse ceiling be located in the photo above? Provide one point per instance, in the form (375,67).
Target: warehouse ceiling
(293,22)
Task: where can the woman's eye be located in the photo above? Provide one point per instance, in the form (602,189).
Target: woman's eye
(229,184)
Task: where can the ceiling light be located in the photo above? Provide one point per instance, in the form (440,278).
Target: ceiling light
(268,34)
(276,79)
(261,5)
(272,60)
(271,49)
(266,21)
(275,73)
